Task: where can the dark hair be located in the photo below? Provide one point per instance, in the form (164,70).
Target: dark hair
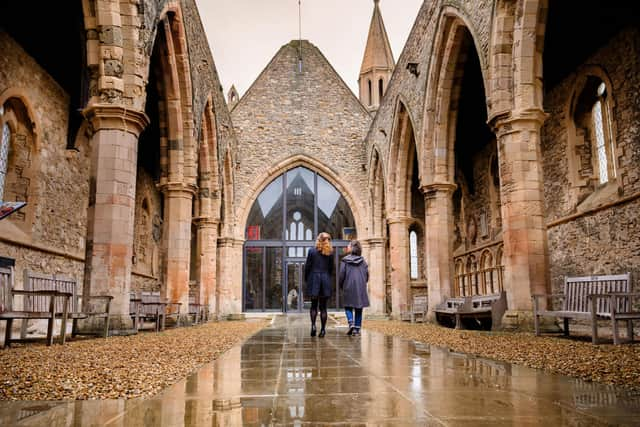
(356,248)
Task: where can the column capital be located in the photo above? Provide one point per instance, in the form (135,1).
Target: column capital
(178,189)
(206,222)
(230,241)
(374,241)
(509,122)
(115,117)
(429,190)
(400,220)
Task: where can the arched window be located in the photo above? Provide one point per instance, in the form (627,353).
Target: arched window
(592,144)
(413,251)
(603,135)
(5,140)
(486,273)
(380,89)
(370,93)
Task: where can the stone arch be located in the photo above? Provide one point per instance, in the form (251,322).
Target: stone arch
(402,151)
(301,160)
(173,77)
(227,199)
(500,89)
(443,89)
(208,169)
(23,145)
(528,42)
(377,193)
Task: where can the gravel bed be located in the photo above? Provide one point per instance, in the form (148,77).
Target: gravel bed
(575,357)
(117,367)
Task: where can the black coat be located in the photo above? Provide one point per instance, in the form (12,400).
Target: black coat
(354,275)
(317,273)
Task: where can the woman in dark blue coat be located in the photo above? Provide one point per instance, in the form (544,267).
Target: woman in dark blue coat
(317,274)
(354,275)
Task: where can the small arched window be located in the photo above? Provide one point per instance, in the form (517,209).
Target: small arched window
(380,88)
(603,135)
(413,251)
(5,140)
(370,93)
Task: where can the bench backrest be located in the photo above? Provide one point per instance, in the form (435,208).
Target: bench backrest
(43,282)
(420,302)
(576,290)
(6,284)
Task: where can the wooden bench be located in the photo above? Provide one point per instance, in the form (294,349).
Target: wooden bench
(80,306)
(149,306)
(36,305)
(198,311)
(592,299)
(479,307)
(417,309)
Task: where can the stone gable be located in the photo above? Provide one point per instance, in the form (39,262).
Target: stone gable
(310,113)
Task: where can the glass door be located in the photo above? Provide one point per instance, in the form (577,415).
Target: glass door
(295,285)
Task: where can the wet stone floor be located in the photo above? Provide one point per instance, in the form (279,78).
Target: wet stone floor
(282,376)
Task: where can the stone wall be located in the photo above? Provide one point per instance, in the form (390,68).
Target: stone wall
(604,241)
(313,113)
(61,179)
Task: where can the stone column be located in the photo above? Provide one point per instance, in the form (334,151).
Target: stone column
(377,272)
(229,289)
(178,200)
(207,262)
(114,157)
(523,226)
(399,258)
(438,246)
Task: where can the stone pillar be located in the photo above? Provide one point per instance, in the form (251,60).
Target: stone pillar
(207,262)
(178,199)
(377,272)
(438,241)
(229,289)
(524,231)
(399,258)
(114,157)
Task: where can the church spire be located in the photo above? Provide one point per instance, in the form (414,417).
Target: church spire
(377,64)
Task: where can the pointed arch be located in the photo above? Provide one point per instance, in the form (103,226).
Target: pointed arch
(208,170)
(454,41)
(377,193)
(402,154)
(266,177)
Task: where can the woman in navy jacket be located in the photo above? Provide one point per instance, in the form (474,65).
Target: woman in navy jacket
(317,274)
(354,275)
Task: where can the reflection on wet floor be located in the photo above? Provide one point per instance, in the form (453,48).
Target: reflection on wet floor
(282,376)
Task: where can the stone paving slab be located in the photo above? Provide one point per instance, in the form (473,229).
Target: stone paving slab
(371,380)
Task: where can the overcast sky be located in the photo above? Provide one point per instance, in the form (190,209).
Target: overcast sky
(245,34)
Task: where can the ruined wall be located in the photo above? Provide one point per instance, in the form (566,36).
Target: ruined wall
(147,235)
(61,178)
(603,242)
(287,113)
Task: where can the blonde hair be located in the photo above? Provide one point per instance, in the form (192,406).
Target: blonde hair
(323,244)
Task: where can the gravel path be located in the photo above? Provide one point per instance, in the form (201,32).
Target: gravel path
(117,367)
(604,363)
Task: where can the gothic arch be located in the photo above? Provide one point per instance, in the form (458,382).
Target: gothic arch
(528,42)
(208,170)
(454,39)
(500,89)
(401,159)
(377,199)
(301,160)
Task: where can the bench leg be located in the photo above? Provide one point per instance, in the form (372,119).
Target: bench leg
(566,326)
(458,321)
(106,326)
(50,331)
(74,328)
(536,324)
(614,331)
(594,331)
(630,330)
(7,334)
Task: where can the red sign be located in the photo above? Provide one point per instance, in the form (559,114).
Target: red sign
(253,232)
